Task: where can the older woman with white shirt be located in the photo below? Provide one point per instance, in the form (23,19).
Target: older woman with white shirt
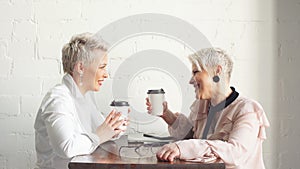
(68,123)
(222,126)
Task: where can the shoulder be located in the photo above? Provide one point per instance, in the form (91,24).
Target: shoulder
(58,99)
(245,104)
(242,106)
(59,92)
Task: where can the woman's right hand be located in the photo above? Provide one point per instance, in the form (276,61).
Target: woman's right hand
(167,115)
(109,128)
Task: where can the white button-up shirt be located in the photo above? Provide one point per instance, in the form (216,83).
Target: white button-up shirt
(64,126)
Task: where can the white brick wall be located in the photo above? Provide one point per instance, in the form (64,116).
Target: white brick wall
(263,37)
(10,105)
(288,82)
(5,67)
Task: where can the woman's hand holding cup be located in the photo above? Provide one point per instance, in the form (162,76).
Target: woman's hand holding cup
(167,115)
(123,108)
(109,128)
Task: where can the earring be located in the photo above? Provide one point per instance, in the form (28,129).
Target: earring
(80,78)
(216,79)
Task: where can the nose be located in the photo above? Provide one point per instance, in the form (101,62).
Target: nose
(105,75)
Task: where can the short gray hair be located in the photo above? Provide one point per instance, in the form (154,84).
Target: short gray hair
(210,58)
(80,48)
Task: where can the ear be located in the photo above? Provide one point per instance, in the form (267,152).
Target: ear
(218,70)
(78,67)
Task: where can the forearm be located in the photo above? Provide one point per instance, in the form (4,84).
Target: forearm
(169,117)
(181,128)
(77,145)
(240,145)
(66,140)
(190,134)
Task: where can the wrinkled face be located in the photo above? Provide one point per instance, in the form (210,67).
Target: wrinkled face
(202,83)
(96,71)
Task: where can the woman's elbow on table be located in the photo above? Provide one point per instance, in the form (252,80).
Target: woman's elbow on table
(65,150)
(70,149)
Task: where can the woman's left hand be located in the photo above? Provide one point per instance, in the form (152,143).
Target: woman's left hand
(168,152)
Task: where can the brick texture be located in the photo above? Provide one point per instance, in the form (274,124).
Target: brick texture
(262,36)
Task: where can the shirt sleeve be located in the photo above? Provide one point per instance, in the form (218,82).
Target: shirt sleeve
(181,127)
(242,141)
(65,134)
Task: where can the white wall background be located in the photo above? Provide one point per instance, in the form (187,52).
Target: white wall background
(262,36)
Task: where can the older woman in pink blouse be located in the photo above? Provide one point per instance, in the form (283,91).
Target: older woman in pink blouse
(223,126)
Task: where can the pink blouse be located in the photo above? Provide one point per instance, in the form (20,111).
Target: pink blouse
(236,138)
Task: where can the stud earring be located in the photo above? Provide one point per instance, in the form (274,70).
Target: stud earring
(216,79)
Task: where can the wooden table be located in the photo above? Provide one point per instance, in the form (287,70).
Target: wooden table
(121,154)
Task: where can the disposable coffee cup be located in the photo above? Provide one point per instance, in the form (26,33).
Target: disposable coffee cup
(156,98)
(122,107)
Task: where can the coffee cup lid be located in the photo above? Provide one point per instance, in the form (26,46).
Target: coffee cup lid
(119,103)
(156,91)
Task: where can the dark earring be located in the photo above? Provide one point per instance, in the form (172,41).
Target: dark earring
(216,79)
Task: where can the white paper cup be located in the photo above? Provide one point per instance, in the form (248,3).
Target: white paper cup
(122,107)
(156,98)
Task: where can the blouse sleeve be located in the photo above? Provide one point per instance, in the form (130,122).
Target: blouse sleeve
(64,134)
(242,141)
(181,127)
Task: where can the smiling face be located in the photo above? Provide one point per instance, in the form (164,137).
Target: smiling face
(202,83)
(96,72)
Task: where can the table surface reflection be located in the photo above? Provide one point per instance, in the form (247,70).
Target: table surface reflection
(121,154)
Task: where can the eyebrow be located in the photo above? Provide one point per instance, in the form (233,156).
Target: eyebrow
(198,69)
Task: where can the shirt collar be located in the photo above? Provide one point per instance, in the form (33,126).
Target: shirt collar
(72,86)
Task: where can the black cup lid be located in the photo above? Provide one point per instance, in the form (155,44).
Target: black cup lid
(119,103)
(156,91)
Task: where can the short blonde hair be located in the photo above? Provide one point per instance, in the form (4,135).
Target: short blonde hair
(80,48)
(210,58)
